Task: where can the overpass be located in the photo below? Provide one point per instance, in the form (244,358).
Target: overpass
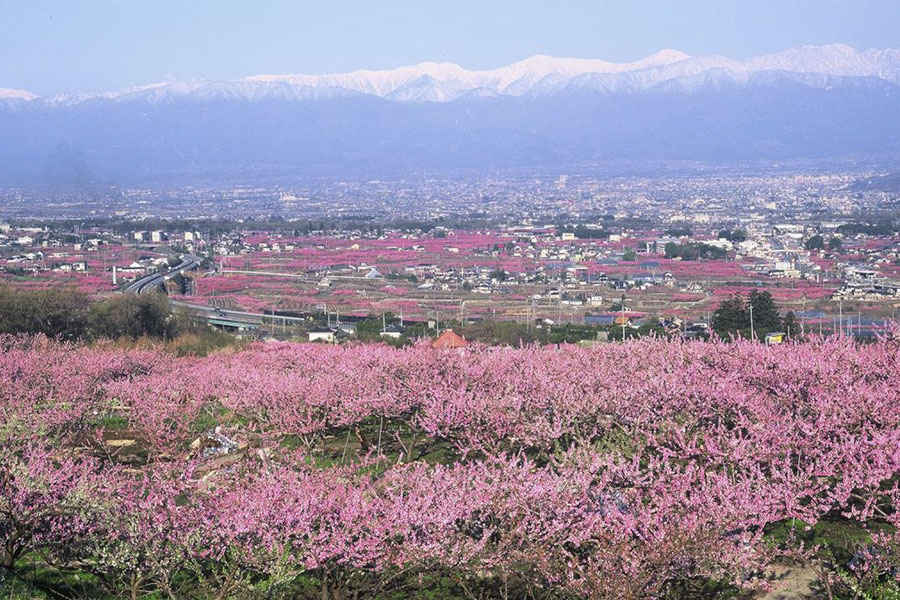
(220,317)
(236,319)
(157,281)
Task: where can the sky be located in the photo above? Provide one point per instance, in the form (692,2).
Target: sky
(74,46)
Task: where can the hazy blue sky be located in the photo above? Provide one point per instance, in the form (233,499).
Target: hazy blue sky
(55,47)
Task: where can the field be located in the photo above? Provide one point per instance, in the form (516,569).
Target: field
(651,469)
(514,275)
(88,269)
(287,273)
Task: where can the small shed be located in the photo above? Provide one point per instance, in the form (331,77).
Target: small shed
(776,337)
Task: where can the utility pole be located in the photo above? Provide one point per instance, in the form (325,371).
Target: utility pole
(803,317)
(841,316)
(559,305)
(752,330)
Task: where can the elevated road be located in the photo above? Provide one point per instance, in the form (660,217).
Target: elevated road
(213,315)
(157,281)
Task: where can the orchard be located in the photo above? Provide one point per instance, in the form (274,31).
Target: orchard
(650,469)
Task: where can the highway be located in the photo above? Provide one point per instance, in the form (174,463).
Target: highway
(250,318)
(156,281)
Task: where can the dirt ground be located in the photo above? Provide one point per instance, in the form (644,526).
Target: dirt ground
(793,582)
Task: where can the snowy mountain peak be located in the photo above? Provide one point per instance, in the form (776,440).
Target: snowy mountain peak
(667,55)
(11,94)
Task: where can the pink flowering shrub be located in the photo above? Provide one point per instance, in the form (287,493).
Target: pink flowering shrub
(640,470)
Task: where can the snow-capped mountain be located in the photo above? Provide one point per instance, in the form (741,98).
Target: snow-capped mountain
(803,103)
(538,75)
(447,81)
(542,74)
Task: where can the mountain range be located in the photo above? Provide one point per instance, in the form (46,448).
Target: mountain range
(808,102)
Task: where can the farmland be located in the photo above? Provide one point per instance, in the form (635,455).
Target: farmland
(647,469)
(534,251)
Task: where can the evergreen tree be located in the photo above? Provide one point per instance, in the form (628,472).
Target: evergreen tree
(736,237)
(816,242)
(731,316)
(765,313)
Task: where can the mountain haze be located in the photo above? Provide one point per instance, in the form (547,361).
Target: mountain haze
(808,102)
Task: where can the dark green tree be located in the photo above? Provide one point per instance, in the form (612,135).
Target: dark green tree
(731,316)
(146,315)
(835,244)
(55,312)
(679,231)
(693,251)
(737,236)
(816,242)
(506,333)
(671,250)
(765,313)
(370,328)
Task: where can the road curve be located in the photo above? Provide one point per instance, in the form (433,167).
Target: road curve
(155,281)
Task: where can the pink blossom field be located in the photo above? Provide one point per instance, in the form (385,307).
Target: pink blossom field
(628,471)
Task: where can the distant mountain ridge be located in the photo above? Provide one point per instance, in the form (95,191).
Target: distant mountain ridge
(803,103)
(537,75)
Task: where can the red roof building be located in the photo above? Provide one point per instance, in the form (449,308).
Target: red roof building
(448,339)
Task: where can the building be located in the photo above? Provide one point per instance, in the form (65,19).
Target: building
(599,319)
(449,339)
(391,331)
(321,334)
(776,337)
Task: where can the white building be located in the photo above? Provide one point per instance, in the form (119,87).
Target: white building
(321,334)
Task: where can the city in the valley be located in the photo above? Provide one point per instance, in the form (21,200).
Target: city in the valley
(556,257)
